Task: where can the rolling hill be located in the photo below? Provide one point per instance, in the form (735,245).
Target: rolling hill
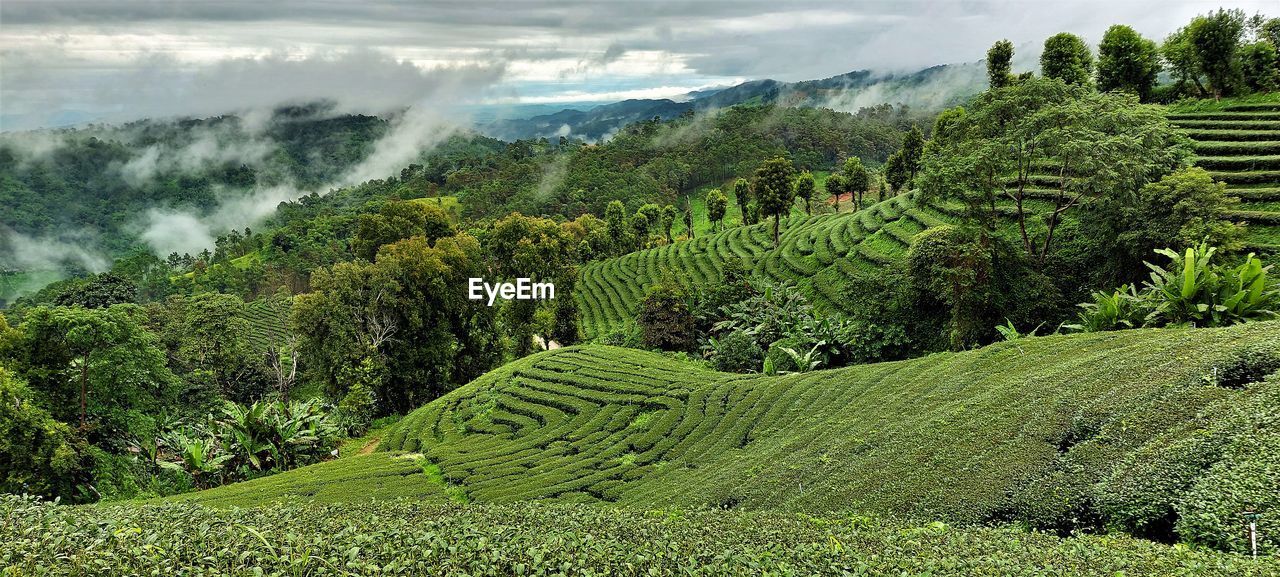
(1047,431)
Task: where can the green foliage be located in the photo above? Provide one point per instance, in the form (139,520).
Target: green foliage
(735,352)
(1194,292)
(1260,66)
(99,292)
(1190,291)
(856,180)
(407,314)
(1214,39)
(665,320)
(38,455)
(804,189)
(742,195)
(395,221)
(1118,309)
(538,539)
(717,203)
(1044,139)
(950,265)
(835,185)
(895,172)
(1183,208)
(1177,51)
(1128,62)
(1000,64)
(97,367)
(356,410)
(911,152)
(1067,58)
(774,191)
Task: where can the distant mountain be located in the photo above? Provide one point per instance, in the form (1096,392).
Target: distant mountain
(932,88)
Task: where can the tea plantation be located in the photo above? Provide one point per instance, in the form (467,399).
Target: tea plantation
(405,538)
(1059,432)
(817,253)
(1239,143)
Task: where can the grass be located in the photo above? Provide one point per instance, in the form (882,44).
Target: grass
(540,539)
(966,438)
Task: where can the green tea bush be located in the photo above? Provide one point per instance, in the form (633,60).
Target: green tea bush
(404,538)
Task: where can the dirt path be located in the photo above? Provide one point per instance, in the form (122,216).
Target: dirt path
(370,446)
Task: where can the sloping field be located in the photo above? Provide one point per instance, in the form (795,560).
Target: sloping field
(1240,145)
(818,253)
(1018,430)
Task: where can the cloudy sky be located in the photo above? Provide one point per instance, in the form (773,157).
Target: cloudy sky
(64,61)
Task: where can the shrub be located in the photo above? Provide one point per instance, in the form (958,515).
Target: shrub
(736,352)
(664,319)
(356,409)
(38,455)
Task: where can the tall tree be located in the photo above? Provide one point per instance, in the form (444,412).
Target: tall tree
(100,292)
(742,196)
(640,230)
(396,220)
(716,205)
(805,187)
(1067,58)
(1000,64)
(1260,63)
(835,187)
(615,218)
(216,342)
(774,190)
(1127,61)
(667,220)
(895,171)
(1089,144)
(1181,58)
(856,180)
(119,372)
(1215,41)
(404,324)
(912,151)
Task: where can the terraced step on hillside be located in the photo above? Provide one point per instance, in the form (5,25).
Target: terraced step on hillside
(1240,145)
(964,437)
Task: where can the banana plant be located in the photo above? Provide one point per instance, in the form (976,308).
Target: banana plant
(198,456)
(1122,308)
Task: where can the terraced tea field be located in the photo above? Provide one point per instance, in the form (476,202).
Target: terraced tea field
(1240,145)
(964,437)
(818,253)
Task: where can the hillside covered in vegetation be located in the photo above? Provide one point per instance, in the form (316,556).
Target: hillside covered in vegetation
(1140,430)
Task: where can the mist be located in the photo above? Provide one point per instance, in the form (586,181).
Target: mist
(20,252)
(948,87)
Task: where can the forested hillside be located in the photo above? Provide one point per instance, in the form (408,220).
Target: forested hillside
(96,183)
